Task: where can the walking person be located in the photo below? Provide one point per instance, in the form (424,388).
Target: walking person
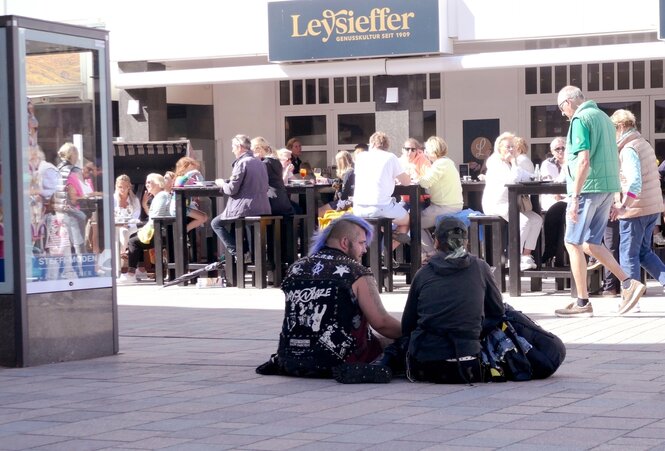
(593,179)
(640,203)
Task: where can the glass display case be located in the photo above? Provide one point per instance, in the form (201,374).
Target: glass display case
(63,166)
(57,296)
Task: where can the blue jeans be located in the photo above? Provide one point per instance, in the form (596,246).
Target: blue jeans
(228,238)
(635,248)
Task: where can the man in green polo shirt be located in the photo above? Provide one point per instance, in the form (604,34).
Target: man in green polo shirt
(592,166)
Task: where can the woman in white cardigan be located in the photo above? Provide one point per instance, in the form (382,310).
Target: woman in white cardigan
(502,168)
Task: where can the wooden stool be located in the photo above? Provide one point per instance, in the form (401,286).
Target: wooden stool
(383,237)
(259,230)
(295,237)
(492,246)
(163,229)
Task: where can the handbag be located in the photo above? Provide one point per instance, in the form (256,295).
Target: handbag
(525,204)
(146,233)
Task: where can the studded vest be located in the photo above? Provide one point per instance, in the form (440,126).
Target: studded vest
(323,324)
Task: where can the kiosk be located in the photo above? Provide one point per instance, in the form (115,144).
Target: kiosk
(57,293)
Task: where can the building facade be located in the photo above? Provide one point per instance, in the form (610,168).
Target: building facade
(203,68)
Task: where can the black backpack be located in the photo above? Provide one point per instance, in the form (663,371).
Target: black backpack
(548,352)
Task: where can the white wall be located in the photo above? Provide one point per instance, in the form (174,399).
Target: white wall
(514,19)
(247,108)
(479,95)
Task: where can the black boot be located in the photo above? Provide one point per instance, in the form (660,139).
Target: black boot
(394,356)
(362,373)
(270,368)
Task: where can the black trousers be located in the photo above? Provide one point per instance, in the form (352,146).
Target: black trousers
(444,372)
(554,225)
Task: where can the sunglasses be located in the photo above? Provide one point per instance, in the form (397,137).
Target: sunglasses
(410,149)
(559,149)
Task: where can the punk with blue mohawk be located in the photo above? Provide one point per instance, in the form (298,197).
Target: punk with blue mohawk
(321,237)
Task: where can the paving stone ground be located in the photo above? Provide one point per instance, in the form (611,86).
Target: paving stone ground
(184,380)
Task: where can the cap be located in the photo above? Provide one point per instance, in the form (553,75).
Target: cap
(448,224)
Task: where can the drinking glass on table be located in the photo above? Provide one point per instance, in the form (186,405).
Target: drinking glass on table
(317,172)
(303,173)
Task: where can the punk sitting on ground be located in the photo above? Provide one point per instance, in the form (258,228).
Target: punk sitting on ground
(331,302)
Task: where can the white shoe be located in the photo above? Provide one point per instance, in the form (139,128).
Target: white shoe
(141,274)
(527,263)
(658,239)
(126,278)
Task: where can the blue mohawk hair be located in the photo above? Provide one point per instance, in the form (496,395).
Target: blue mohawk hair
(319,239)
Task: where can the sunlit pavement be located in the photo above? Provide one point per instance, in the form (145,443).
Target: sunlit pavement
(184,379)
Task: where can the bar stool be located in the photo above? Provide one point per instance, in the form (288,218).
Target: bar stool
(259,226)
(491,249)
(163,230)
(381,245)
(295,237)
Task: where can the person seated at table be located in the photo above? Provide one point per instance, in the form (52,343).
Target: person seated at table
(287,167)
(376,171)
(280,204)
(413,159)
(295,147)
(344,184)
(453,299)
(442,182)
(554,205)
(188,173)
(126,211)
(502,169)
(139,241)
(359,148)
(247,191)
(521,151)
(331,300)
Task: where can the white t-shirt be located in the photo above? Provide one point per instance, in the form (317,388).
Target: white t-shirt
(376,171)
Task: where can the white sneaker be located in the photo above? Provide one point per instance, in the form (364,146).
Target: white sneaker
(527,263)
(141,274)
(126,278)
(658,239)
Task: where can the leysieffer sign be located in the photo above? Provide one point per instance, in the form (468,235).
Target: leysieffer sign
(304,30)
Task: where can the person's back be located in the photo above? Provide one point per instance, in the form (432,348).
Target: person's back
(375,172)
(323,324)
(280,203)
(247,189)
(443,327)
(451,300)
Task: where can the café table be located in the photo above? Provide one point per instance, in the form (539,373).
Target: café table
(312,201)
(532,189)
(180,226)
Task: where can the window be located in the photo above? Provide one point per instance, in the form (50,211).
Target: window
(656,73)
(355,128)
(310,130)
(608,76)
(593,77)
(545,80)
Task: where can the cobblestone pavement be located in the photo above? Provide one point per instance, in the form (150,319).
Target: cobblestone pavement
(184,380)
